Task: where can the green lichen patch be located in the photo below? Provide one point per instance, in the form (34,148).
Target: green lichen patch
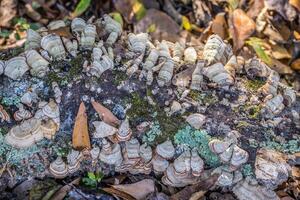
(189,137)
(150,136)
(10,101)
(15,157)
(247,170)
(292,146)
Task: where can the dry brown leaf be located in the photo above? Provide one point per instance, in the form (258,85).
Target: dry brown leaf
(198,195)
(165,28)
(63,191)
(296,64)
(63,32)
(295,3)
(80,137)
(8,10)
(207,182)
(138,190)
(219,25)
(241,28)
(255,8)
(105,114)
(279,52)
(296,35)
(119,193)
(280,67)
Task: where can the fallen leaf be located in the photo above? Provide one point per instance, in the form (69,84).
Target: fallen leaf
(131,10)
(80,8)
(241,28)
(165,27)
(233,4)
(204,185)
(255,8)
(105,114)
(295,3)
(138,9)
(118,17)
(296,64)
(257,44)
(297,35)
(63,32)
(80,137)
(280,67)
(219,25)
(8,10)
(279,52)
(185,23)
(63,191)
(138,190)
(119,193)
(151,28)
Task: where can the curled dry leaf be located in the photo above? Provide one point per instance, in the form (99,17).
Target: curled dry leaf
(241,28)
(165,27)
(138,190)
(80,137)
(105,114)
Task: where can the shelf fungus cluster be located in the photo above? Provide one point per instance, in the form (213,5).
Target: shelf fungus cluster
(232,156)
(60,169)
(45,123)
(194,72)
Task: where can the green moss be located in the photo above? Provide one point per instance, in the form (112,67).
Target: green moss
(141,110)
(254,85)
(119,77)
(189,137)
(41,188)
(65,77)
(203,97)
(242,124)
(252,111)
